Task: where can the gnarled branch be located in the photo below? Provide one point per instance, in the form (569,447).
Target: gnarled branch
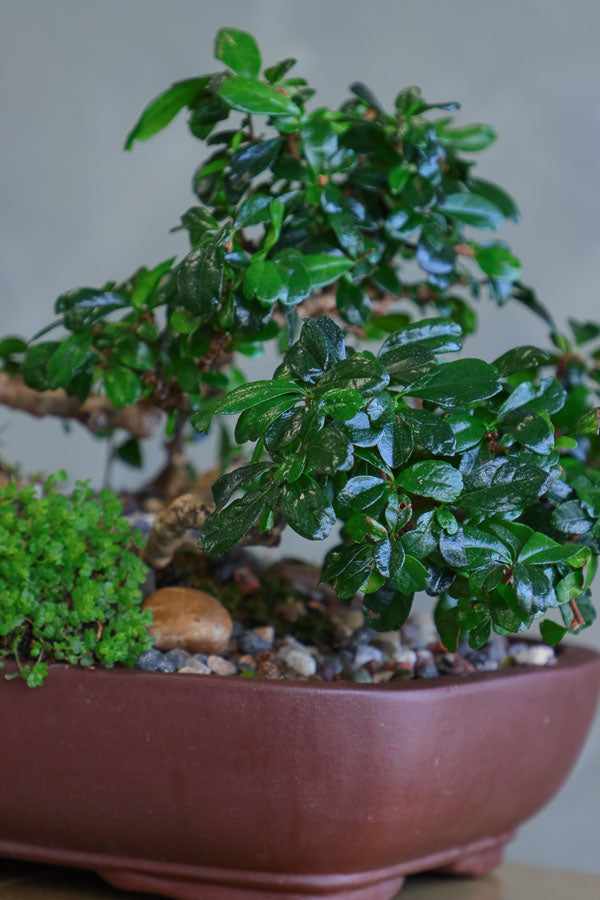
(96,413)
(187,512)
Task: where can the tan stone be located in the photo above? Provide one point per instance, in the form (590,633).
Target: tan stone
(188,618)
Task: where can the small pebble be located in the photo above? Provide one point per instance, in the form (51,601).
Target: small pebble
(268,669)
(194,668)
(331,668)
(533,655)
(150,660)
(301,662)
(366,654)
(250,642)
(382,677)
(178,657)
(426,670)
(362,677)
(405,656)
(221,666)
(267,633)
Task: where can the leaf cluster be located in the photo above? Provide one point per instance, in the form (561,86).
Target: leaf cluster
(69,580)
(364,203)
(464,479)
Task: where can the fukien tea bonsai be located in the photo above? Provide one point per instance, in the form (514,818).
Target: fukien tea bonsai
(319,229)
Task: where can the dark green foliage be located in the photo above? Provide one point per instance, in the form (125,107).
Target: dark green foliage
(475,498)
(69,580)
(344,199)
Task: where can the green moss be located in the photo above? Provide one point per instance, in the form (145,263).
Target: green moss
(69,580)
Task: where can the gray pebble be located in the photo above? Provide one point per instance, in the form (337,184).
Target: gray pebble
(331,668)
(201,657)
(166,665)
(426,670)
(150,660)
(252,643)
(178,656)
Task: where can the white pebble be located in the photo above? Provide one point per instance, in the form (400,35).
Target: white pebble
(533,655)
(366,654)
(404,655)
(301,662)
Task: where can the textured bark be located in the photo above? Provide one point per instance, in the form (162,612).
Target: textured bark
(191,511)
(187,511)
(96,413)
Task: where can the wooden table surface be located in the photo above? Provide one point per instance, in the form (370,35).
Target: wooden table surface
(21,881)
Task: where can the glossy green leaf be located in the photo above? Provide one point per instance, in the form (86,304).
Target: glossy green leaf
(498,197)
(320,143)
(406,363)
(519,358)
(498,262)
(396,444)
(238,50)
(470,138)
(457,383)
(122,386)
(353,304)
(530,429)
(225,486)
(387,609)
(255,392)
(329,451)
(472,210)
(254,210)
(432,478)
(430,431)
(542,550)
(341,404)
(533,587)
(503,485)
(410,576)
(360,493)
(67,358)
(200,281)
(263,281)
(254,421)
(324,268)
(439,335)
(552,632)
(251,96)
(164,108)
(226,527)
(359,373)
(307,509)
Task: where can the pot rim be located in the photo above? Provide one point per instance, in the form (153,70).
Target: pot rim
(567,656)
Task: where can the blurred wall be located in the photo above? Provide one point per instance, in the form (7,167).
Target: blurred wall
(75,210)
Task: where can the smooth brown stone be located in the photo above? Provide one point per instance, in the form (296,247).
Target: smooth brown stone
(187,618)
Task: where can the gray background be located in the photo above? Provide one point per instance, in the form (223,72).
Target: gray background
(75,210)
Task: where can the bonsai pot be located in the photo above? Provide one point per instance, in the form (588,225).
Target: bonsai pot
(207,788)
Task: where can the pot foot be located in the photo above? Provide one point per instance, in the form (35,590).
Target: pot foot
(183,889)
(480,862)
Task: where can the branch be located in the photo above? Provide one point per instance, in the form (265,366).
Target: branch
(191,512)
(578,619)
(96,413)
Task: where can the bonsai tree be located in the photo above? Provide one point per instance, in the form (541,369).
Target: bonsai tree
(319,228)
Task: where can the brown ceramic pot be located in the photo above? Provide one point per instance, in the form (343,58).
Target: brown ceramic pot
(208,788)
